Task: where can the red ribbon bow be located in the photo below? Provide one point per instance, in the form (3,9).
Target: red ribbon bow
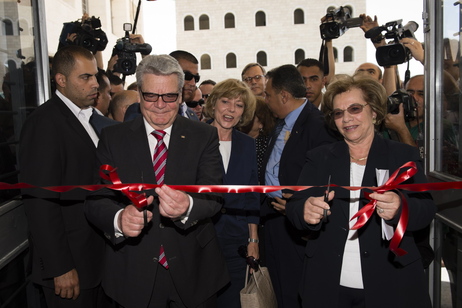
(366,212)
(138,200)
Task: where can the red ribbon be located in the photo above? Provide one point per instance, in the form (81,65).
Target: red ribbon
(366,211)
(139,200)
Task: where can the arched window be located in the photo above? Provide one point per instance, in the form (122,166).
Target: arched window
(231,61)
(260,19)
(299,17)
(299,55)
(7,27)
(204,23)
(206,62)
(335,54)
(348,54)
(229,21)
(262,58)
(188,23)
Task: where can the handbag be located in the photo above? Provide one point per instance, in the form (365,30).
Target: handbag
(258,291)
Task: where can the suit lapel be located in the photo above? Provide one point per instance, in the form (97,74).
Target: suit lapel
(340,171)
(179,136)
(139,141)
(74,123)
(233,166)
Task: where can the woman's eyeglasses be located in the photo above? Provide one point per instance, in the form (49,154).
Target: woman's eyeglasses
(194,104)
(188,76)
(352,109)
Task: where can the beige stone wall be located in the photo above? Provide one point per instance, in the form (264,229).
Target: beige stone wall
(280,38)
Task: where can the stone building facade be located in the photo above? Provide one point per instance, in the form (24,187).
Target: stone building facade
(225,35)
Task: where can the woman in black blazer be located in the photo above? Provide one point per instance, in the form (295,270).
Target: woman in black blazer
(355,268)
(231,104)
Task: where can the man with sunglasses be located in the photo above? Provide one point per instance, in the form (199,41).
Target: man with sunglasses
(253,75)
(300,128)
(197,104)
(190,66)
(166,254)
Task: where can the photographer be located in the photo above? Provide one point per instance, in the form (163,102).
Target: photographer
(408,132)
(87,33)
(389,76)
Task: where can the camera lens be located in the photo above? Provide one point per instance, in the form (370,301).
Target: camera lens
(395,53)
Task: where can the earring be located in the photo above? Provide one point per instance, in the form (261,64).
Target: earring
(374,121)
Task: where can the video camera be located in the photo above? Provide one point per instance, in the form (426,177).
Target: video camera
(126,63)
(340,22)
(395,53)
(409,104)
(89,34)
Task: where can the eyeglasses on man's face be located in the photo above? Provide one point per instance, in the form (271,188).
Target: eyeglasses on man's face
(256,77)
(352,109)
(154,97)
(189,76)
(194,104)
(205,96)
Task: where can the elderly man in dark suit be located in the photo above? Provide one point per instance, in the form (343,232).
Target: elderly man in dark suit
(300,128)
(57,147)
(174,260)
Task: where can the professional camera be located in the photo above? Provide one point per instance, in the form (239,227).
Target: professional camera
(395,53)
(126,63)
(338,22)
(409,104)
(88,34)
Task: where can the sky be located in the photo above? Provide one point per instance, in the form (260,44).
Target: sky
(162,37)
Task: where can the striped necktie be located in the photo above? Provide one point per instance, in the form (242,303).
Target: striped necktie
(159,161)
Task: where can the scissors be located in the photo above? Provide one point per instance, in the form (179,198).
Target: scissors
(326,199)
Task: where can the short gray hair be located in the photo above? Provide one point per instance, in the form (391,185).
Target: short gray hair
(160,65)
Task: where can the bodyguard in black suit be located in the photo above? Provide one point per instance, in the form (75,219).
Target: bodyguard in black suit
(303,129)
(57,147)
(180,223)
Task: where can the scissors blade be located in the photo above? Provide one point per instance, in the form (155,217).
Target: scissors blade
(326,198)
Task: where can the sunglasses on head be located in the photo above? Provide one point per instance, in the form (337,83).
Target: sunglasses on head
(194,104)
(352,109)
(188,76)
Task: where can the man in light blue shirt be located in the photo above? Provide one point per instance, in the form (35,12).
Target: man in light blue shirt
(303,129)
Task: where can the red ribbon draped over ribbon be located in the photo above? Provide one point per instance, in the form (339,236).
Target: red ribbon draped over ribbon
(393,183)
(365,213)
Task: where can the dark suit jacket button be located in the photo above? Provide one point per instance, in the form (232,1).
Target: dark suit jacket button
(366,254)
(161,226)
(223,211)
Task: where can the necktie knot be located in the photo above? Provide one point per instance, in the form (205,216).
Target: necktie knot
(158,134)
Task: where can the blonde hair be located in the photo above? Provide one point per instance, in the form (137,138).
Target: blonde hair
(232,88)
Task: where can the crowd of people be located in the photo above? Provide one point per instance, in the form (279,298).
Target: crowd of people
(291,125)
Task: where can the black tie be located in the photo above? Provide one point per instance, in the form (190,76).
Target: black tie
(277,130)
